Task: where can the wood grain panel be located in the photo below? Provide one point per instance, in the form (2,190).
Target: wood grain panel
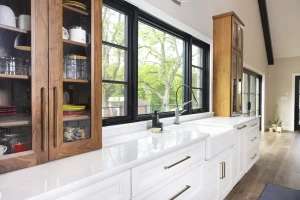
(222,66)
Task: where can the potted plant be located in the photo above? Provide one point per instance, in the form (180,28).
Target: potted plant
(279,127)
(270,128)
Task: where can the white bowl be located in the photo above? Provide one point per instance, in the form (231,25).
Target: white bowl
(7,16)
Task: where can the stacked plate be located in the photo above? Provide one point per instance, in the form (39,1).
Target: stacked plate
(71,110)
(74,4)
(7,111)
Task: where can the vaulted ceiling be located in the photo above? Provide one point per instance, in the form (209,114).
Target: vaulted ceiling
(284,21)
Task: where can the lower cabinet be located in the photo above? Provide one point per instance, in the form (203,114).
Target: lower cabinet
(218,176)
(185,185)
(114,188)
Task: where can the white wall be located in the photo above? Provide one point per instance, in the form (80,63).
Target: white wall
(281,80)
(195,18)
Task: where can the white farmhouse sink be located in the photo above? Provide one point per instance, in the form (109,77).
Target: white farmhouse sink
(220,138)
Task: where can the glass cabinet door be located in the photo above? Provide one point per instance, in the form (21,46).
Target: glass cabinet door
(237,73)
(76,78)
(23,84)
(237,35)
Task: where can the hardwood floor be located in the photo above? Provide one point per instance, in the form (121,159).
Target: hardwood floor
(279,164)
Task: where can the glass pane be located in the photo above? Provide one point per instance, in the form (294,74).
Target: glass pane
(15,82)
(239,74)
(252,85)
(245,103)
(257,104)
(197,56)
(113,26)
(235,32)
(160,70)
(253,102)
(234,75)
(76,75)
(199,96)
(113,100)
(197,77)
(257,86)
(113,63)
(245,83)
(240,35)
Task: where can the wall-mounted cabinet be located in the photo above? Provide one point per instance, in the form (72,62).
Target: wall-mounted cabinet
(228,64)
(50,87)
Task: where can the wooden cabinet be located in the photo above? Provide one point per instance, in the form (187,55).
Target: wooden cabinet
(34,125)
(218,176)
(228,64)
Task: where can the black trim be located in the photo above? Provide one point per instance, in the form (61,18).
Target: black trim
(266,30)
(134,15)
(296,121)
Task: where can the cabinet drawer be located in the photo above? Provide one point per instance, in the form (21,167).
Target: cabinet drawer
(252,139)
(252,157)
(113,188)
(253,124)
(149,174)
(186,185)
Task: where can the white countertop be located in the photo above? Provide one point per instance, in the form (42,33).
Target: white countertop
(224,121)
(94,166)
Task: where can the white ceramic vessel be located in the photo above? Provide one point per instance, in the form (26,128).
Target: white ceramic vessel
(24,22)
(7,16)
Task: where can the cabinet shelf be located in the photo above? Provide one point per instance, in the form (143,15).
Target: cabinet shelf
(76,118)
(14,76)
(13,121)
(75,80)
(76,10)
(74,43)
(10,28)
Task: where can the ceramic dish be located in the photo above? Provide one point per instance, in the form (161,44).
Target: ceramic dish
(70,113)
(75,2)
(75,5)
(69,108)
(7,16)
(155,130)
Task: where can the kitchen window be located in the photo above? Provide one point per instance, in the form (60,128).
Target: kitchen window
(144,62)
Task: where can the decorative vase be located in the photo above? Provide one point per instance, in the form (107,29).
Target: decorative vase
(271,129)
(274,126)
(279,130)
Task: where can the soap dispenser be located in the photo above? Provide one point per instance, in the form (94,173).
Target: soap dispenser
(155,120)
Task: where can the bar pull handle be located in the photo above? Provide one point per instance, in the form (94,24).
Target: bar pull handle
(170,166)
(44,120)
(181,192)
(56,97)
(224,170)
(253,156)
(221,168)
(253,139)
(240,128)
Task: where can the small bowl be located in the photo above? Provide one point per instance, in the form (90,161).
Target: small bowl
(155,130)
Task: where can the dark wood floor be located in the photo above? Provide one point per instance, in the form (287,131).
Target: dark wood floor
(279,164)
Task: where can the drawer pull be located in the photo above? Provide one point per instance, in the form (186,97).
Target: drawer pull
(240,128)
(168,167)
(253,125)
(221,168)
(253,139)
(253,156)
(179,193)
(224,170)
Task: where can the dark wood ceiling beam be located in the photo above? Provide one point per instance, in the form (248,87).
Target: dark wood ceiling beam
(266,30)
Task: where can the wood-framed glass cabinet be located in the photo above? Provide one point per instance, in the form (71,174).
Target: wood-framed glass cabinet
(50,87)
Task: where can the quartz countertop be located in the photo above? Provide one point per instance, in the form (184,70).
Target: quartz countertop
(94,166)
(224,121)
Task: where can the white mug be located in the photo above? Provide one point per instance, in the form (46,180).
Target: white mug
(78,34)
(2,149)
(24,22)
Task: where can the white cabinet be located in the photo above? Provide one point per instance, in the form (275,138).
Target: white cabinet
(113,188)
(218,176)
(151,173)
(185,185)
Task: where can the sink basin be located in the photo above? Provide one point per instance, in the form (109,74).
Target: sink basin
(220,138)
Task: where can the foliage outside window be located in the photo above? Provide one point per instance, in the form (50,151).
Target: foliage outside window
(144,61)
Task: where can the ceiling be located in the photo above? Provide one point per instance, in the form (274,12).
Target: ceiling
(284,20)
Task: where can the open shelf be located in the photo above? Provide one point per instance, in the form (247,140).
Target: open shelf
(10,28)
(75,118)
(75,80)
(76,10)
(75,43)
(13,121)
(14,76)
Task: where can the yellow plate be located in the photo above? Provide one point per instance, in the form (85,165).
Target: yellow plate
(68,107)
(75,5)
(67,1)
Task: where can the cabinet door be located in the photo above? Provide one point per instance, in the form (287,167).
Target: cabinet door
(23,84)
(237,35)
(212,179)
(226,181)
(75,78)
(237,75)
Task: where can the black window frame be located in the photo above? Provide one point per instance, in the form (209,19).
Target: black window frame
(134,15)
